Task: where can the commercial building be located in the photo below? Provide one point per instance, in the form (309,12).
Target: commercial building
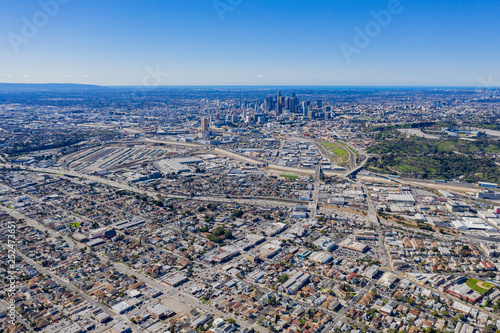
(122,307)
(353,245)
(256,276)
(96,242)
(465,292)
(488,185)
(472,223)
(102,317)
(120,328)
(325,243)
(456,206)
(204,124)
(160,311)
(366,235)
(488,195)
(462,308)
(400,198)
(321,257)
(178,165)
(102,233)
(268,250)
(175,279)
(372,271)
(388,279)
(295,283)
(202,320)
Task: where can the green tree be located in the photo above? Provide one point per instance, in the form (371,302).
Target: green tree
(283,278)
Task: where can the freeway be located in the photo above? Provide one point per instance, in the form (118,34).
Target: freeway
(352,171)
(246,159)
(352,157)
(156,195)
(450,186)
(415,182)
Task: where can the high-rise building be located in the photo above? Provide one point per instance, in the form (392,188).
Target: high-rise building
(279,105)
(269,104)
(204,124)
(305,107)
(293,102)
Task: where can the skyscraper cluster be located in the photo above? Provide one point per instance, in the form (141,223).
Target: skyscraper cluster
(281,104)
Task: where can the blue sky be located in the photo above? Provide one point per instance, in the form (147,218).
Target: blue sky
(257,42)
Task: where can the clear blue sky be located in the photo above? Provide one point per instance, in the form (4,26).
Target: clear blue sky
(259,42)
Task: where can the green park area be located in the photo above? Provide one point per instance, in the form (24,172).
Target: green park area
(338,152)
(289,176)
(448,158)
(479,286)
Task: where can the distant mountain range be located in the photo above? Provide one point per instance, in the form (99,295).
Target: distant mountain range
(45,86)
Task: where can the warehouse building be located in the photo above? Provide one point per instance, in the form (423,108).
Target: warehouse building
(295,283)
(350,244)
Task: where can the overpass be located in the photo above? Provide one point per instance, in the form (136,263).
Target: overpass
(355,170)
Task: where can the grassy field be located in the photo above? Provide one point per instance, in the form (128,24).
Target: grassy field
(479,286)
(289,176)
(354,151)
(338,152)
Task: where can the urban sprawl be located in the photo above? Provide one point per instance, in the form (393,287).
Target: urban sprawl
(249,209)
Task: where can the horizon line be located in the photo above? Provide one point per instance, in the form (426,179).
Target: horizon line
(253,86)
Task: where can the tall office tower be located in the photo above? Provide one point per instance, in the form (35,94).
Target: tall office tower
(268,104)
(279,106)
(319,103)
(305,108)
(204,124)
(283,103)
(293,103)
